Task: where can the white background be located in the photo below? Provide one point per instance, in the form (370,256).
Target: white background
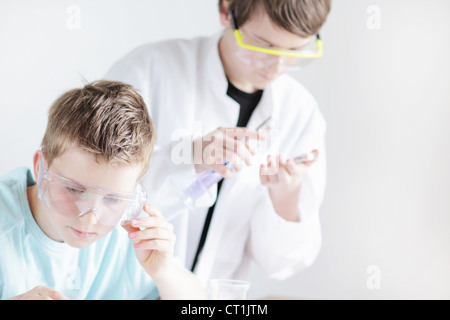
(384,92)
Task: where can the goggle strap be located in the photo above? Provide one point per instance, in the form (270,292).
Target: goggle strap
(233,20)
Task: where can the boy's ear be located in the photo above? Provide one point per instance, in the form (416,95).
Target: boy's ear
(225,19)
(36,159)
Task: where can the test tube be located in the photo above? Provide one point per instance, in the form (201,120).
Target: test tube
(205,181)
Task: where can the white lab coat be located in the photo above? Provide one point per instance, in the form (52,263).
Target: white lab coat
(184,86)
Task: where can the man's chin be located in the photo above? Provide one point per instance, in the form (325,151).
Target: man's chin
(263,81)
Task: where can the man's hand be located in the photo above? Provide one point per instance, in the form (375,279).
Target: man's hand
(153,240)
(284,180)
(225,145)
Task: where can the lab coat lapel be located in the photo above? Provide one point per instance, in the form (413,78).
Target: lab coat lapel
(264,110)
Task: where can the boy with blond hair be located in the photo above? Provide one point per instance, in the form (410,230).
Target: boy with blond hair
(60,237)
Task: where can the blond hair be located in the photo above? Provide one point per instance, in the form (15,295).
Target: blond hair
(107,119)
(301,17)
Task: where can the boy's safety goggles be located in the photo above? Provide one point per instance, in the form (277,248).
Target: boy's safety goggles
(260,57)
(73,199)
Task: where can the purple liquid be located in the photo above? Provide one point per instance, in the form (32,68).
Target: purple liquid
(205,181)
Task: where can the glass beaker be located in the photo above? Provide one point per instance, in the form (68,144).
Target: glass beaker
(228,289)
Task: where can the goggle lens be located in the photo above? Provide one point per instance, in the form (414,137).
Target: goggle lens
(73,200)
(262,60)
(253,54)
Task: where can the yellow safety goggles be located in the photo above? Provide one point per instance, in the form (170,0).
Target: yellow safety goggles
(312,51)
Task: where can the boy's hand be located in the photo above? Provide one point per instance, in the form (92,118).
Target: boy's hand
(225,145)
(153,240)
(41,293)
(284,179)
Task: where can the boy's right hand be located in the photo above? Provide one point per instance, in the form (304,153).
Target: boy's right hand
(41,293)
(153,239)
(225,145)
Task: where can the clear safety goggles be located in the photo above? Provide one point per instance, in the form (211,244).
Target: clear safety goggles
(258,56)
(73,199)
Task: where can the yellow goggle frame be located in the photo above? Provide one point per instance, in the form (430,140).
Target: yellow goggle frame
(277,52)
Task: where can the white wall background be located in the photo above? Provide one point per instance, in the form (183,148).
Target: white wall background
(384,92)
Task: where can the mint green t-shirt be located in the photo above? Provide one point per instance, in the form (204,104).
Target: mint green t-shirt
(107,269)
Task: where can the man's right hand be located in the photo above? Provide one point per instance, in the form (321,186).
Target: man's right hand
(225,145)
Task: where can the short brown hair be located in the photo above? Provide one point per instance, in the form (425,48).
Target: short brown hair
(301,17)
(107,119)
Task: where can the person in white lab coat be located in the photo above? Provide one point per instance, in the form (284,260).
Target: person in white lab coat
(198,92)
